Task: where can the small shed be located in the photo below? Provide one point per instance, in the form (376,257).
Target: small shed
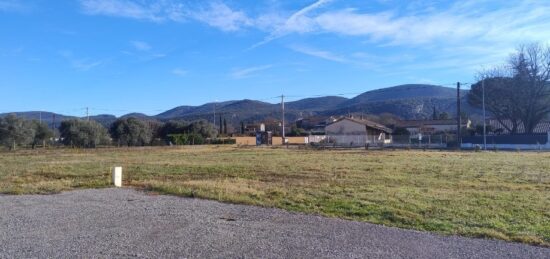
(357,132)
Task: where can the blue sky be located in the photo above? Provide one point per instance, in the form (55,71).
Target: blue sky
(117,56)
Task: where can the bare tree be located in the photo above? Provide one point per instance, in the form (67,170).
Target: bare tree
(531,67)
(518,92)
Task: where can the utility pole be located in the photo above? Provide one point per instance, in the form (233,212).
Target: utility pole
(458,117)
(214,115)
(40,117)
(221,125)
(53,126)
(484,119)
(87,114)
(283,118)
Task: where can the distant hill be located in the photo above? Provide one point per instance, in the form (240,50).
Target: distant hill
(317,104)
(104,119)
(411,101)
(190,111)
(137,115)
(47,117)
(409,91)
(179,111)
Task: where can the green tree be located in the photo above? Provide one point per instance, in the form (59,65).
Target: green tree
(42,133)
(201,127)
(295,131)
(173,127)
(15,131)
(83,134)
(131,132)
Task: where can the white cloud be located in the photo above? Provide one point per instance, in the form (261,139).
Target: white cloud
(220,16)
(298,22)
(81,64)
(141,45)
(402,30)
(124,8)
(179,72)
(489,28)
(13,6)
(319,53)
(86,64)
(247,72)
(459,24)
(216,14)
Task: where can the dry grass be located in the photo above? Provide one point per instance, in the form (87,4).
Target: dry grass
(496,195)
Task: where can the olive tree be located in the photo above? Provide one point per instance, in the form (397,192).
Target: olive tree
(15,131)
(131,132)
(81,133)
(41,133)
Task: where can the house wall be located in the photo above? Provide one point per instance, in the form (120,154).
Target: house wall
(434,128)
(245,141)
(276,140)
(316,138)
(346,127)
(355,140)
(350,133)
(297,140)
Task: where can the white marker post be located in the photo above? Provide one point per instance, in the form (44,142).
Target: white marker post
(117,176)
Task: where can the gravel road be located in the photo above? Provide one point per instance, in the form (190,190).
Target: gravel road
(110,223)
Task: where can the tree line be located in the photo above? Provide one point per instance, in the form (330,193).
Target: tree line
(16,132)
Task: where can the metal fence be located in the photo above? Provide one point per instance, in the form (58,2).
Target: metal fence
(356,140)
(424,141)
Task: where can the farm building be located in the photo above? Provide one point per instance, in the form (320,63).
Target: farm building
(357,132)
(432,126)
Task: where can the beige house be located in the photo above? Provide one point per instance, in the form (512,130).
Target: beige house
(357,132)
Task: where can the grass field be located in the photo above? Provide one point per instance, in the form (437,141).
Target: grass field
(503,195)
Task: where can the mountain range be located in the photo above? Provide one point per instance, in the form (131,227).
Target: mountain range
(410,101)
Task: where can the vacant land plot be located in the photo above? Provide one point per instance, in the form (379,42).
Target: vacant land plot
(497,195)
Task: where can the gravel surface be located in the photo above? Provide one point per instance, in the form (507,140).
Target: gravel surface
(110,223)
